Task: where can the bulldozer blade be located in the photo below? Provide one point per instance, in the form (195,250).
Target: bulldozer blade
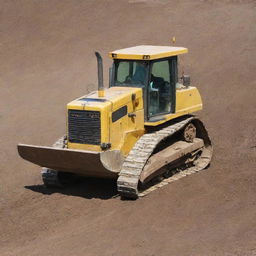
(86,163)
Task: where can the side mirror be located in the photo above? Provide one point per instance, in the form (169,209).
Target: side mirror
(186,80)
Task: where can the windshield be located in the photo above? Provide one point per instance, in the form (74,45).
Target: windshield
(130,73)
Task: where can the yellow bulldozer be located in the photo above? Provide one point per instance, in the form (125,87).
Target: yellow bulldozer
(139,131)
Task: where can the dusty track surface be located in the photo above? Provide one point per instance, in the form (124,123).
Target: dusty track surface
(47,60)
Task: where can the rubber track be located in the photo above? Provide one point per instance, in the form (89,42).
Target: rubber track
(128,180)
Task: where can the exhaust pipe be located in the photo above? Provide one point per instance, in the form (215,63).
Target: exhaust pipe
(101,92)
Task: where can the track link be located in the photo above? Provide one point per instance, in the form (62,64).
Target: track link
(129,177)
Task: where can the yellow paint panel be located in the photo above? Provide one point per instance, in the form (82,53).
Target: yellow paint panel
(127,126)
(147,52)
(188,99)
(84,147)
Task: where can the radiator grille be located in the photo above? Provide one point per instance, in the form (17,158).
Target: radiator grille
(84,127)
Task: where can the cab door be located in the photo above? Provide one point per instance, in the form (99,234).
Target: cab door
(161,88)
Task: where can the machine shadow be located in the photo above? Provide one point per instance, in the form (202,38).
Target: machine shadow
(84,187)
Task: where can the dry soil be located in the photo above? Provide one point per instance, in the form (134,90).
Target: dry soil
(47,60)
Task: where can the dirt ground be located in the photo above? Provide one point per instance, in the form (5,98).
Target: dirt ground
(47,59)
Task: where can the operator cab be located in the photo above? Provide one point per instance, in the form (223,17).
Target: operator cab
(152,68)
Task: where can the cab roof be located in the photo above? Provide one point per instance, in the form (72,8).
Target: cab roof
(147,52)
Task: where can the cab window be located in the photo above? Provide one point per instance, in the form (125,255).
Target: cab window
(160,88)
(130,73)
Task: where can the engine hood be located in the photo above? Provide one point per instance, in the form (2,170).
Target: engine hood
(115,97)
